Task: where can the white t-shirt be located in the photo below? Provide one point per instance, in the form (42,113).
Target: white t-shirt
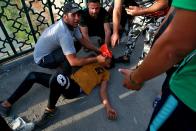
(54,37)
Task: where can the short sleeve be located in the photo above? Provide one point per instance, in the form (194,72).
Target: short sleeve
(67,45)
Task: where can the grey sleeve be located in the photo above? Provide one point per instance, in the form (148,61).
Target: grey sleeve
(67,45)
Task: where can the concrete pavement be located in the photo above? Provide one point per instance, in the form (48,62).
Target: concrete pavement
(84,113)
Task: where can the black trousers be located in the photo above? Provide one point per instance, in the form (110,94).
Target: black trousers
(60,83)
(26,85)
(47,80)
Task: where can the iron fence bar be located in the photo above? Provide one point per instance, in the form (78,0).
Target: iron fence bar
(50,10)
(8,38)
(29,20)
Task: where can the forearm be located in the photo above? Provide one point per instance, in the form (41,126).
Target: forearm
(107,37)
(117,16)
(157,6)
(116,23)
(80,61)
(104,96)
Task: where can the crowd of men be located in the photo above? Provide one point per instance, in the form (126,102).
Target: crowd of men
(171,51)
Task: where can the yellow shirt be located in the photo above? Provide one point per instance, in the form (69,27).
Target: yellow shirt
(89,76)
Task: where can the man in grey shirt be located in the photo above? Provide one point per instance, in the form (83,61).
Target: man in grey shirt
(56,45)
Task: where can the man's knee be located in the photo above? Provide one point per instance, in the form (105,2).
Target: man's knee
(60,80)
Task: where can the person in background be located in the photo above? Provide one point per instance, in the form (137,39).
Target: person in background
(95,21)
(147,16)
(124,17)
(177,108)
(56,46)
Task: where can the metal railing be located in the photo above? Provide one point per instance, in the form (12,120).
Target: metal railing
(22,22)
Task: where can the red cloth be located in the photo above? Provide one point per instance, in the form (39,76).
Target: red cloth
(105,51)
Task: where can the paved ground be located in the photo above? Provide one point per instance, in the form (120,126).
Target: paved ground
(83,113)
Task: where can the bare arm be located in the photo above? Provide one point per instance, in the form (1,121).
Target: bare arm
(157,6)
(80,61)
(111,113)
(84,31)
(116,21)
(170,48)
(107,33)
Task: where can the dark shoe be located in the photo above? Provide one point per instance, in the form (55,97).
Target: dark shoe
(122,59)
(4,111)
(46,119)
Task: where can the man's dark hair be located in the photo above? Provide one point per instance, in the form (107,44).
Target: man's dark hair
(94,1)
(112,63)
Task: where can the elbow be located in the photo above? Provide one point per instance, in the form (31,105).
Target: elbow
(73,63)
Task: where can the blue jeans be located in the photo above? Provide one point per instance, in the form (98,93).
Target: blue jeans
(54,59)
(57,58)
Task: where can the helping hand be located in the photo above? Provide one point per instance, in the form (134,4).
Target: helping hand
(114,40)
(127,82)
(101,59)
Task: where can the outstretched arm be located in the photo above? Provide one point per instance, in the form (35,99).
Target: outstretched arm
(116,22)
(80,61)
(111,113)
(170,48)
(157,6)
(107,33)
